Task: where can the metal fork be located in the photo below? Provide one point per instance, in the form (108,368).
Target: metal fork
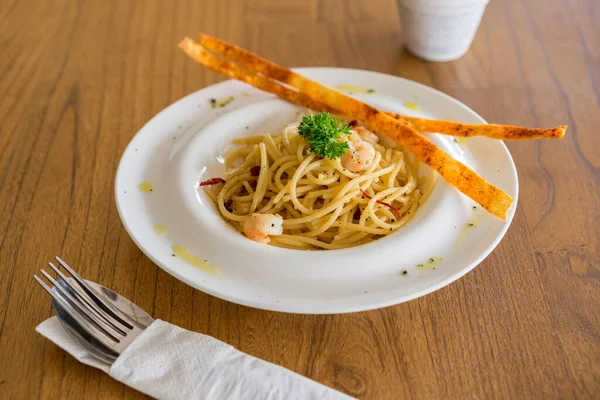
(97,324)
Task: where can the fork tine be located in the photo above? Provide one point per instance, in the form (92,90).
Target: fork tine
(82,336)
(92,305)
(43,284)
(103,326)
(77,316)
(95,296)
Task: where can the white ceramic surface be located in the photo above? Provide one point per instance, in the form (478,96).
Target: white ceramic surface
(182,145)
(440,30)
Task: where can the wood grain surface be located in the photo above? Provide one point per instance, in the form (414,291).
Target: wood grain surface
(79,78)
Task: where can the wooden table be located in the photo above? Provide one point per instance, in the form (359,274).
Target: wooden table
(80,78)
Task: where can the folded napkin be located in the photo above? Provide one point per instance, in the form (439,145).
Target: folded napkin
(168,362)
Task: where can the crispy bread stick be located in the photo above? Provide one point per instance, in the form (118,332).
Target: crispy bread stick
(493,199)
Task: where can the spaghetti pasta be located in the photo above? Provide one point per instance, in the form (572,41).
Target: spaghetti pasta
(317,203)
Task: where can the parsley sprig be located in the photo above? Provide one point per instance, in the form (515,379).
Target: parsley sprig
(321,131)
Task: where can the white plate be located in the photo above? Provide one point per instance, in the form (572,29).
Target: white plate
(181,146)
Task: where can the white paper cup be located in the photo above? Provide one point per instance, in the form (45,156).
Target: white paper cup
(440,30)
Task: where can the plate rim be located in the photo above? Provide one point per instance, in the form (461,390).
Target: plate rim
(334,309)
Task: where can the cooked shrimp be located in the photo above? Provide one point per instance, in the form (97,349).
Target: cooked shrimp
(353,137)
(367,135)
(261,226)
(359,156)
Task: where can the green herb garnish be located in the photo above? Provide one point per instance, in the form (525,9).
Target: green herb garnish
(321,131)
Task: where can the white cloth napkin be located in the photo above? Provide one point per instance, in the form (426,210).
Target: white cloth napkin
(168,362)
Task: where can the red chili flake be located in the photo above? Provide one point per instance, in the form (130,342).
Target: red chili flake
(212,181)
(353,123)
(383,203)
(255,171)
(228,204)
